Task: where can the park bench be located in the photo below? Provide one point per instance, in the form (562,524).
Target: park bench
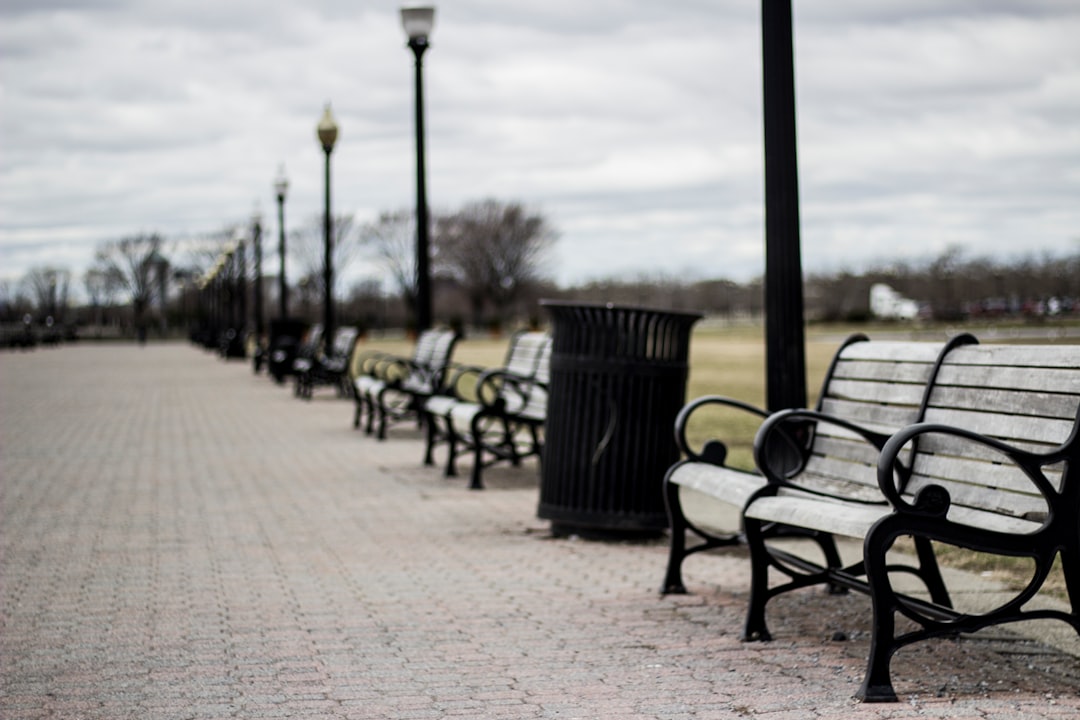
(286,337)
(389,388)
(283,358)
(328,368)
(991,467)
(879,385)
(495,413)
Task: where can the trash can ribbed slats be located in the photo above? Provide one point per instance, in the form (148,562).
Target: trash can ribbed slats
(618,379)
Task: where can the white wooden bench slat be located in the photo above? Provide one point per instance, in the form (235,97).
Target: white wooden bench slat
(842,469)
(1007,427)
(1009,402)
(1061,356)
(1055,379)
(735,486)
(892,351)
(439,404)
(991,473)
(917,373)
(855,520)
(364,383)
(950,445)
(997,501)
(990,477)
(849,520)
(851,447)
(887,393)
(882,418)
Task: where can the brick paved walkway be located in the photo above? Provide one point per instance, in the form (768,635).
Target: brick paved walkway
(183,539)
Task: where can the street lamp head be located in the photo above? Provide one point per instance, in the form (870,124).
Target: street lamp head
(418,22)
(327,130)
(281,183)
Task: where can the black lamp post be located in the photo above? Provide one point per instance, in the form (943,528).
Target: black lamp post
(228,288)
(418,22)
(784,335)
(281,186)
(256,239)
(328,132)
(240,257)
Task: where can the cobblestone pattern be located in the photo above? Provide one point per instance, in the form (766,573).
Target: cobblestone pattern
(183,539)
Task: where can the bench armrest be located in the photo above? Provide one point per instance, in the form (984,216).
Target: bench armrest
(783,443)
(366,362)
(394,368)
(934,500)
(461,381)
(496,387)
(714,451)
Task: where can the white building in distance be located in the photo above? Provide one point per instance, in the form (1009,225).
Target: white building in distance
(886,303)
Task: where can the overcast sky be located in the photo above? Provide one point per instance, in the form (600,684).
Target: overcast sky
(634,126)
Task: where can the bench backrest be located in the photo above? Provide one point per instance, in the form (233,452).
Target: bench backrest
(424,349)
(526,349)
(878,385)
(344,340)
(536,403)
(1025,395)
(430,360)
(442,349)
(311,341)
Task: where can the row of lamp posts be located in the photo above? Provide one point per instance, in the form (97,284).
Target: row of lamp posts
(785,350)
(418,23)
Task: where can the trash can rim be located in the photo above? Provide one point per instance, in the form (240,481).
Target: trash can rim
(618,306)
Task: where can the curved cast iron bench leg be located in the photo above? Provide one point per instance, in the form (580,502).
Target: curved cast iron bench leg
(673,581)
(877,684)
(755,628)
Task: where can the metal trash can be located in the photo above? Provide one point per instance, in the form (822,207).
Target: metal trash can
(618,379)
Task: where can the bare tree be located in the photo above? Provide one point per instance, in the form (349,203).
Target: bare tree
(14,303)
(201,254)
(132,264)
(392,237)
(49,286)
(494,250)
(307,249)
(101,292)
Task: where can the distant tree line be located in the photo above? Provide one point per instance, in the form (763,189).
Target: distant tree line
(953,287)
(488,266)
(950,287)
